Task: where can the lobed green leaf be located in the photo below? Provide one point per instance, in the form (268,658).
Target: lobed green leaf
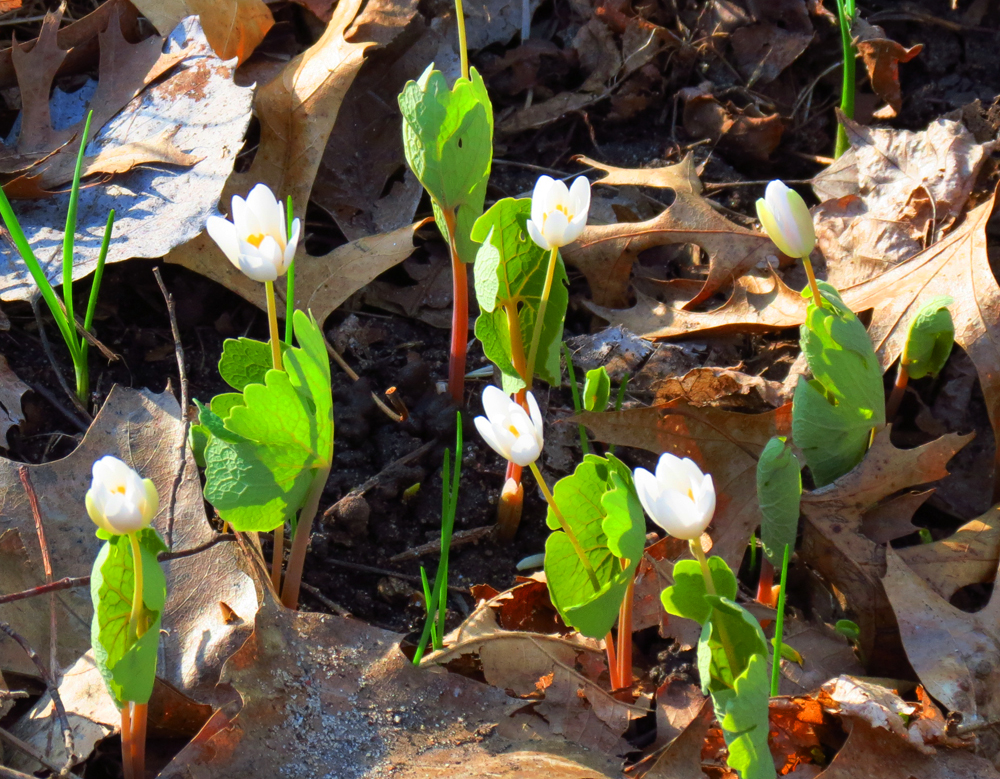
(688,598)
(244,361)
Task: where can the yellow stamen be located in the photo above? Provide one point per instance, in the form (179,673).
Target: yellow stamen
(256,240)
(120,489)
(513,430)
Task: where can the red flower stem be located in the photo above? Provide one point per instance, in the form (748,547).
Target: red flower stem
(609,646)
(625,637)
(898,391)
(459,315)
(127,768)
(139,711)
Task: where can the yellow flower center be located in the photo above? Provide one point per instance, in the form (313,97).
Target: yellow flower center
(513,430)
(256,239)
(120,489)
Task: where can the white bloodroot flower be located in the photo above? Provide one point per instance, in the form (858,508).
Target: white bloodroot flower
(558,214)
(786,220)
(508,428)
(679,498)
(256,241)
(119,500)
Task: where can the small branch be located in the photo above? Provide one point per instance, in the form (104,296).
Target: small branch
(336,608)
(29,750)
(354,377)
(184,401)
(216,539)
(22,472)
(460,538)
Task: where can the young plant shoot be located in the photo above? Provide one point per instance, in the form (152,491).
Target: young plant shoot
(62,309)
(846,10)
(786,219)
(276,429)
(128,590)
(732,650)
(928,346)
(779,493)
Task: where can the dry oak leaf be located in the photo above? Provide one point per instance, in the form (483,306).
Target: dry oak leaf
(757,305)
(892,194)
(146,431)
(11,391)
(969,556)
(747,130)
(712,386)
(834,546)
(956,654)
(297,110)
(340,699)
(882,57)
(605,253)
(234,28)
(723,443)
(958,265)
(825,654)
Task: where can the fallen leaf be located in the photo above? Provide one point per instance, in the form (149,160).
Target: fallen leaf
(678,703)
(757,305)
(779,33)
(892,519)
(712,386)
(234,28)
(605,253)
(165,207)
(731,127)
(723,443)
(969,556)
(145,430)
(614,348)
(825,654)
(339,695)
(882,57)
(908,188)
(833,545)
(11,391)
(682,757)
(958,266)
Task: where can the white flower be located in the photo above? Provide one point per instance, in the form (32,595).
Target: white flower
(679,498)
(508,428)
(256,241)
(119,500)
(786,220)
(558,214)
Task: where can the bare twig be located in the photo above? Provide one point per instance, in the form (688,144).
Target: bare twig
(29,750)
(336,608)
(354,377)
(459,538)
(53,691)
(185,422)
(385,572)
(36,512)
(370,483)
(77,403)
(216,539)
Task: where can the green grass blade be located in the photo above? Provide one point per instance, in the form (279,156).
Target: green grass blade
(95,287)
(70,234)
(575,392)
(779,627)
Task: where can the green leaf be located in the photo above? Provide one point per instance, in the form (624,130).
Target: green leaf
(599,504)
(930,338)
(743,715)
(448,140)
(779,492)
(745,638)
(597,389)
(198,438)
(834,413)
(226,402)
(688,598)
(244,361)
(127,665)
(510,271)
(261,459)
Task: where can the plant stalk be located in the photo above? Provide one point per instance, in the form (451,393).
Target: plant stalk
(277,557)
(765,583)
(463,49)
(127,768)
(845,12)
(574,391)
(459,312)
(817,297)
(577,546)
(625,637)
(272,321)
(898,392)
(779,627)
(300,541)
(609,647)
(134,626)
(139,716)
(536,335)
(727,644)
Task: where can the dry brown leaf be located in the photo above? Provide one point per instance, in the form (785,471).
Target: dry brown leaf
(723,443)
(958,266)
(340,696)
(908,188)
(969,556)
(712,386)
(298,109)
(145,430)
(11,391)
(747,130)
(605,253)
(893,518)
(757,305)
(825,654)
(853,564)
(234,28)
(427,299)
(956,654)
(882,57)
(678,703)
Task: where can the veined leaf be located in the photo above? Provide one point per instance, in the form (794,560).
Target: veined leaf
(599,504)
(244,361)
(779,492)
(597,389)
(448,139)
(743,715)
(834,413)
(687,596)
(510,272)
(261,459)
(127,665)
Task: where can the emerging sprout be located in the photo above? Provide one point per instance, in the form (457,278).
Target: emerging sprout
(119,500)
(930,338)
(679,498)
(508,428)
(257,241)
(558,214)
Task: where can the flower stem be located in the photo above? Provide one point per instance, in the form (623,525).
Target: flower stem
(139,711)
(277,556)
(459,312)
(134,627)
(609,647)
(272,321)
(898,391)
(127,768)
(727,644)
(536,335)
(845,11)
(625,637)
(463,50)
(817,297)
(779,627)
(300,541)
(577,547)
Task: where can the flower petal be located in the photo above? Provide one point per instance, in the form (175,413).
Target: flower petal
(242,217)
(255,266)
(670,474)
(489,436)
(152,500)
(579,198)
(541,199)
(270,251)
(264,205)
(524,451)
(537,236)
(803,222)
(646,489)
(536,416)
(496,404)
(555,228)
(772,228)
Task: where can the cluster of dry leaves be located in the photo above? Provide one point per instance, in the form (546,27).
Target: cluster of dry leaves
(901,218)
